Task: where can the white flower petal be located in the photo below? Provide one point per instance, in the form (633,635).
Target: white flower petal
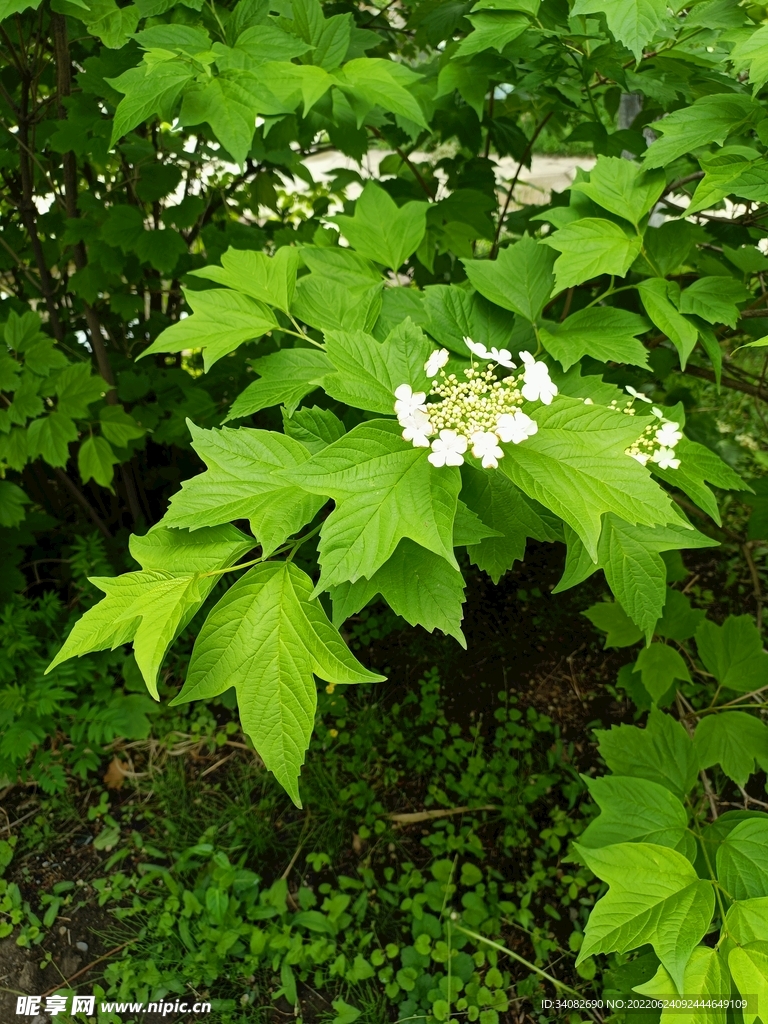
(436,362)
(515,427)
(477,348)
(503,357)
(637,394)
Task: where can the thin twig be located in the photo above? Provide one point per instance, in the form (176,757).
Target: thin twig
(518,172)
(83,502)
(411,166)
(219,763)
(728,382)
(84,970)
(18,821)
(416,816)
(746,550)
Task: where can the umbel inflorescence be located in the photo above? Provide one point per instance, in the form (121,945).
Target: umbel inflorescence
(481,410)
(476,412)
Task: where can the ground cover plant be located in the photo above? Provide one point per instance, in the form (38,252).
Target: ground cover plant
(290,369)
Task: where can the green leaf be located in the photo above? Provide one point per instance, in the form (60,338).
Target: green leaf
(632,22)
(492,30)
(749,969)
(162,249)
(111,24)
(222,320)
(682,333)
(244,481)
(454,314)
(148,89)
(714,299)
(734,740)
(286,377)
(747,921)
(118,426)
(621,186)
(9,7)
(270,279)
(699,465)
(26,401)
(267,638)
(230,107)
(654,897)
(679,621)
(659,666)
(705,982)
(610,618)
(259,44)
(630,558)
(519,279)
(501,506)
(662,752)
(729,173)
(333,42)
(634,811)
(343,291)
(315,428)
(368,371)
(468,527)
(575,465)
(590,247)
(13,448)
(385,490)
(468,81)
(382,230)
(77,388)
(345,1014)
(43,356)
(373,81)
(50,437)
(95,461)
(752,53)
(711,119)
(742,860)
(152,606)
(20,333)
(713,834)
(189,39)
(12,502)
(416,584)
(123,227)
(602,332)
(734,653)
(9,372)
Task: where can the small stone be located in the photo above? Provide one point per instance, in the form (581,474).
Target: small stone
(82,946)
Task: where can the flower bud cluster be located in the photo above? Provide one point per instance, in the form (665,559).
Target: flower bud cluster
(659,438)
(477,412)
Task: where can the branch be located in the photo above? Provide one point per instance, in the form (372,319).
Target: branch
(28,212)
(675,185)
(523,158)
(83,502)
(69,161)
(728,382)
(407,161)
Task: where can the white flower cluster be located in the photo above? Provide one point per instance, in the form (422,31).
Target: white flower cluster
(477,412)
(659,438)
